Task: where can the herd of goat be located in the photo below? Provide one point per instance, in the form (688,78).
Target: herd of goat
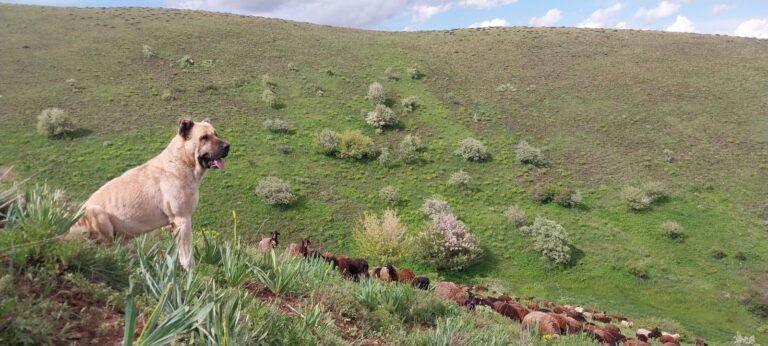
(550,319)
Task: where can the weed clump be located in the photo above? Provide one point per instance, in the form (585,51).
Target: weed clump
(354,145)
(185,61)
(54,122)
(568,198)
(148,52)
(275,191)
(411,149)
(389,194)
(276,125)
(638,199)
(381,117)
(472,150)
(550,239)
(376,93)
(434,206)
(269,97)
(530,155)
(391,75)
(413,73)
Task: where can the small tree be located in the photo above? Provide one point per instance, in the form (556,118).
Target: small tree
(527,154)
(447,244)
(434,206)
(266,81)
(328,141)
(567,197)
(376,93)
(517,216)
(672,230)
(275,191)
(742,340)
(390,74)
(54,122)
(148,52)
(411,148)
(354,145)
(410,103)
(413,73)
(461,179)
(472,150)
(381,239)
(381,117)
(636,199)
(668,155)
(550,239)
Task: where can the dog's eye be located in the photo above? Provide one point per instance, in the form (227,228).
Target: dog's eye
(204,138)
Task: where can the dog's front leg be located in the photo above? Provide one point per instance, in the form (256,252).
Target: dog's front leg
(184,240)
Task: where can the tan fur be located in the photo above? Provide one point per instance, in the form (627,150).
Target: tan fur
(163,191)
(547,324)
(266,244)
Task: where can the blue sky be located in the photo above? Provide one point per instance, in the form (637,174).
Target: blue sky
(737,17)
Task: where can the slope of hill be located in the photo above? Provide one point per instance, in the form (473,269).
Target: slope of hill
(604,103)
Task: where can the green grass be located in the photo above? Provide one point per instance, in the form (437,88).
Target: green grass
(603,103)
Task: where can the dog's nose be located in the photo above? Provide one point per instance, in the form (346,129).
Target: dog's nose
(226,150)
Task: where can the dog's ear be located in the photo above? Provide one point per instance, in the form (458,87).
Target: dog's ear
(185,127)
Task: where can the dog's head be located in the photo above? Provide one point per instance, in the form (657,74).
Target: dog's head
(202,141)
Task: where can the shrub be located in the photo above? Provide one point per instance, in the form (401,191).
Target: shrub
(656,191)
(434,206)
(636,199)
(527,154)
(545,193)
(266,81)
(276,125)
(167,95)
(148,52)
(672,230)
(185,61)
(517,216)
(387,158)
(740,340)
(756,297)
(639,270)
(381,117)
(550,239)
(54,122)
(410,103)
(740,256)
(292,67)
(414,73)
(718,254)
(269,97)
(472,150)
(354,145)
(381,239)
(327,71)
(390,74)
(505,87)
(376,93)
(461,179)
(283,149)
(568,198)
(275,191)
(389,194)
(328,141)
(447,244)
(411,148)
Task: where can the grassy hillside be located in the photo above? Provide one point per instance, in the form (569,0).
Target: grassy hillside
(604,103)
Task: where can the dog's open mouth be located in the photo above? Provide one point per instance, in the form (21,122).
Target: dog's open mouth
(207,162)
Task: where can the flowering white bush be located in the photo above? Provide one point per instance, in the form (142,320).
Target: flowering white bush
(275,191)
(550,239)
(376,93)
(447,244)
(389,194)
(530,155)
(461,179)
(410,149)
(472,150)
(410,103)
(328,141)
(54,122)
(381,117)
(516,215)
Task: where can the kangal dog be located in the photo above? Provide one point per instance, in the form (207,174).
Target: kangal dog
(163,191)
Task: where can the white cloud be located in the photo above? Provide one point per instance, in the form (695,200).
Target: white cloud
(602,17)
(681,24)
(422,13)
(718,8)
(664,9)
(485,3)
(549,19)
(757,28)
(489,23)
(621,25)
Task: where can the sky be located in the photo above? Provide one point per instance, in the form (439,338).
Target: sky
(748,18)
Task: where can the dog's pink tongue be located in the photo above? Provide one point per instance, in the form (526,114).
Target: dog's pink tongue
(219,163)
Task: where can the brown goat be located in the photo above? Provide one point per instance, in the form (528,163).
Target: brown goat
(450,291)
(700,342)
(406,275)
(574,326)
(269,243)
(421,282)
(547,324)
(648,333)
(602,317)
(635,342)
(506,309)
(353,268)
(300,249)
(375,272)
(388,273)
(669,339)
